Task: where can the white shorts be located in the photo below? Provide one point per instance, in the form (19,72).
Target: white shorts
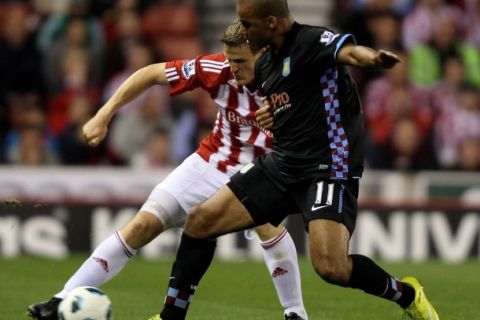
(191,183)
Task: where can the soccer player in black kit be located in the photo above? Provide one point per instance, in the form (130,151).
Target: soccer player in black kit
(315,166)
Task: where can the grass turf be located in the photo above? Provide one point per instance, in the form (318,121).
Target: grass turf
(239,290)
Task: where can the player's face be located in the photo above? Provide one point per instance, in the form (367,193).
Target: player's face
(242,63)
(255,29)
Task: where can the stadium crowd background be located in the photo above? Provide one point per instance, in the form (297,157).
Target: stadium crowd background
(60,60)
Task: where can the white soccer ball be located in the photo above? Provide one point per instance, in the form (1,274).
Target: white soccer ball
(85,303)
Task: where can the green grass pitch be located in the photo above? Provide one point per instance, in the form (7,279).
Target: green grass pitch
(240,290)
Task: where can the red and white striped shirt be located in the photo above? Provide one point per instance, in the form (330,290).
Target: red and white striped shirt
(236,138)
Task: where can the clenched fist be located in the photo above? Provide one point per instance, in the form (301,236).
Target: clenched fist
(264,115)
(95,130)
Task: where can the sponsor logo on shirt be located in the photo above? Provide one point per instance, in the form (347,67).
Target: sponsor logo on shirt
(188,69)
(234,117)
(327,37)
(280,102)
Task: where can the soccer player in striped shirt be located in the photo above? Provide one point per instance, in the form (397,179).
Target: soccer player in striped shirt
(235,140)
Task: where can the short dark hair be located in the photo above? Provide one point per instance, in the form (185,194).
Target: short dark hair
(265,8)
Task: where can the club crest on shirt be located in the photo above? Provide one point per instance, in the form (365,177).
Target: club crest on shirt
(188,69)
(327,37)
(286,67)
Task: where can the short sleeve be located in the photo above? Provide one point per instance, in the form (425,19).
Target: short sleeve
(206,71)
(324,45)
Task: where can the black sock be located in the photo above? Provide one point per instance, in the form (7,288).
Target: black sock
(369,277)
(193,259)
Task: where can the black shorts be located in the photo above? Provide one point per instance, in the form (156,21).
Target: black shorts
(269,199)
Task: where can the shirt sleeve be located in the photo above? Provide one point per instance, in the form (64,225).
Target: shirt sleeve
(206,71)
(324,45)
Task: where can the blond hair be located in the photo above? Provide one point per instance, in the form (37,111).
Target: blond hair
(232,35)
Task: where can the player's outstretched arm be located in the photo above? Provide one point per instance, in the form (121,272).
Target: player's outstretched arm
(365,57)
(96,128)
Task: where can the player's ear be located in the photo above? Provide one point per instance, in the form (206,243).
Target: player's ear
(271,22)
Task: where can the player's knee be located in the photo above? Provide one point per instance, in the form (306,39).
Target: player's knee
(331,269)
(140,231)
(197,224)
(139,227)
(267,231)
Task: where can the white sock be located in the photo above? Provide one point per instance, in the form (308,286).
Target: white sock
(280,257)
(105,262)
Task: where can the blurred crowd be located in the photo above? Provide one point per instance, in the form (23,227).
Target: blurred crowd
(424,114)
(61,60)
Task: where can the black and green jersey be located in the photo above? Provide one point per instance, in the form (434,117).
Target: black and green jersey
(318,121)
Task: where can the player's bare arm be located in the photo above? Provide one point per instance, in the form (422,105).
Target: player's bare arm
(264,115)
(365,57)
(96,128)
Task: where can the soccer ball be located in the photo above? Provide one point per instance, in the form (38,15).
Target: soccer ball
(85,303)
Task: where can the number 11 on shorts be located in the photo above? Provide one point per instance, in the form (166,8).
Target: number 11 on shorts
(319,196)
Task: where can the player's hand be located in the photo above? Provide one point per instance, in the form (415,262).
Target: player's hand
(386,59)
(264,115)
(95,130)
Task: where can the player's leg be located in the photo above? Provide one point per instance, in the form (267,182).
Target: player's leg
(113,253)
(164,208)
(222,213)
(331,209)
(280,257)
(330,228)
(329,253)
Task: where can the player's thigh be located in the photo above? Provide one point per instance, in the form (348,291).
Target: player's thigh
(329,209)
(328,240)
(334,200)
(266,199)
(191,183)
(220,214)
(328,243)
